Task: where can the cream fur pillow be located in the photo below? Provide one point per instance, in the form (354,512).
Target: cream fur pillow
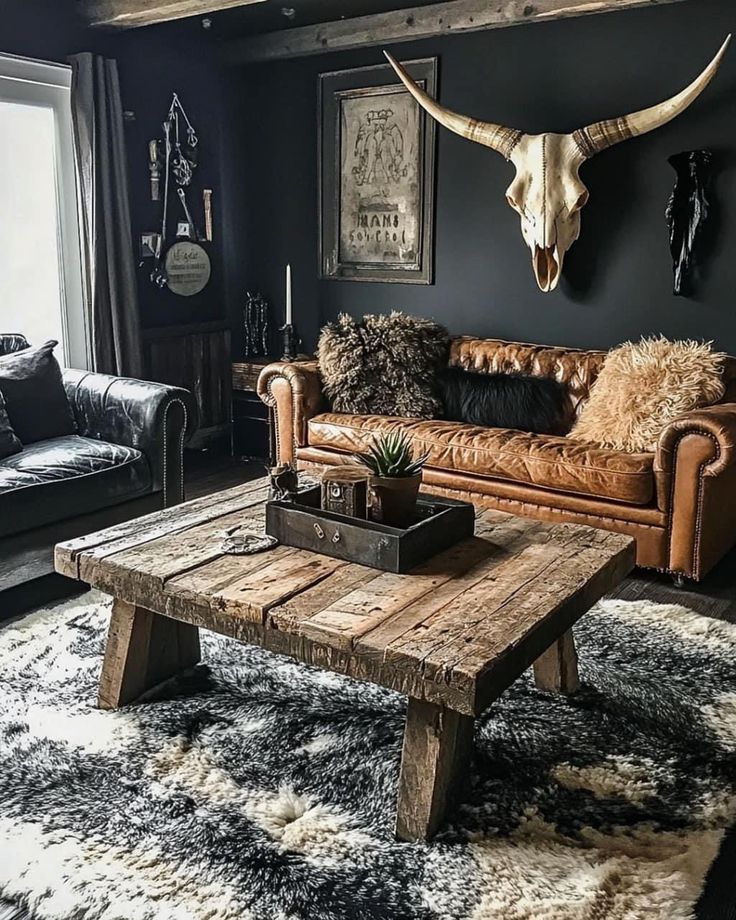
(643,386)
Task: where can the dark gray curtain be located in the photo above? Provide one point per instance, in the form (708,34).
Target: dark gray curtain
(107,247)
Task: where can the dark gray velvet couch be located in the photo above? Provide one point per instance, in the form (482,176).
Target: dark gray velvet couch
(126,459)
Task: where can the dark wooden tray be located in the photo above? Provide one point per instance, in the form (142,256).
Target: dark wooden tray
(441,522)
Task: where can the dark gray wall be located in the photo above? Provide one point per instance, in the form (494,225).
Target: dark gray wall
(557,76)
(153,62)
(44,29)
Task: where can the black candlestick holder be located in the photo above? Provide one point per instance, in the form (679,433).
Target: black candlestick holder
(291,342)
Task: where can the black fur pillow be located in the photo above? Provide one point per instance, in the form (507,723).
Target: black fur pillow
(536,404)
(388,364)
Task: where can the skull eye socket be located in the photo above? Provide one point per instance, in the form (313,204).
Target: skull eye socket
(516,194)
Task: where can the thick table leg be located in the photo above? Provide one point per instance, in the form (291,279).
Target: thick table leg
(437,747)
(143,649)
(557,669)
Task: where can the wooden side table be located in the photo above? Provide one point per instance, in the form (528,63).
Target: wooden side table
(252,428)
(253,422)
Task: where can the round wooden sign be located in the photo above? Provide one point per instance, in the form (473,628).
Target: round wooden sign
(188,268)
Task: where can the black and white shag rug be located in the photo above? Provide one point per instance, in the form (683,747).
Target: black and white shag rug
(260,789)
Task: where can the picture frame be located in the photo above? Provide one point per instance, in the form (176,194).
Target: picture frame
(376,153)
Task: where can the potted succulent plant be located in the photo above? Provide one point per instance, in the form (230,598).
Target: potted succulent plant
(395,478)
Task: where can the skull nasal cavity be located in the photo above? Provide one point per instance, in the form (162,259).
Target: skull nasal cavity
(581,202)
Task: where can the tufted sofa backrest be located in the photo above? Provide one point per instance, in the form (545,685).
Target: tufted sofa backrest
(575,368)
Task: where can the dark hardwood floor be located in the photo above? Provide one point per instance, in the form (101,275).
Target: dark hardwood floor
(211,472)
(714,597)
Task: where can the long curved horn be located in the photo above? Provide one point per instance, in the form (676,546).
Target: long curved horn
(497,137)
(604,134)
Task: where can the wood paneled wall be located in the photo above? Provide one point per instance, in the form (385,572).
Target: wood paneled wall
(195,357)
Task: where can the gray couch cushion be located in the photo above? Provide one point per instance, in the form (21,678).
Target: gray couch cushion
(64,477)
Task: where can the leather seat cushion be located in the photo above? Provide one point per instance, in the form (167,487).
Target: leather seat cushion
(549,462)
(64,477)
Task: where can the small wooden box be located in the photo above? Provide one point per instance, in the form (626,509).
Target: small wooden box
(345,491)
(440,523)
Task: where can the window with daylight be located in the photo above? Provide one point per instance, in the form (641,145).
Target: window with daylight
(40,268)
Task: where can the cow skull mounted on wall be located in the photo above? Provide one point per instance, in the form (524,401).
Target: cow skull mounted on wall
(547,191)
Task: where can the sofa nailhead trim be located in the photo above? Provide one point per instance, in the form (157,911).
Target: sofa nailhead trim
(181,448)
(695,561)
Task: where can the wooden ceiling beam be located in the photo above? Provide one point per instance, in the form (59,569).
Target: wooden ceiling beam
(132,14)
(448,17)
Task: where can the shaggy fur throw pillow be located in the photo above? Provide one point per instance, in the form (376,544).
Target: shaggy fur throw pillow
(388,364)
(643,386)
(536,404)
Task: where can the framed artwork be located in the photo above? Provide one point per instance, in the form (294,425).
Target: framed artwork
(376,160)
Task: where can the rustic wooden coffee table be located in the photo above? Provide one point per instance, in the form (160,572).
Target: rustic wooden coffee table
(452,635)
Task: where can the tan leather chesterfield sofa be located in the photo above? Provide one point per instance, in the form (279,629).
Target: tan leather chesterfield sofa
(679,502)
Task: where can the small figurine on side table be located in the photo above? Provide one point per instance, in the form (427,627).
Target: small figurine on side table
(256,326)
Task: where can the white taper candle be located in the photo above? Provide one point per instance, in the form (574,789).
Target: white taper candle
(289,317)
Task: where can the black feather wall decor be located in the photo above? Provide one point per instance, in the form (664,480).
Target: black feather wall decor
(687,213)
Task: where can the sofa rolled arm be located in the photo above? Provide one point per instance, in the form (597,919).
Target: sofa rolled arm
(695,472)
(294,392)
(715,426)
(154,418)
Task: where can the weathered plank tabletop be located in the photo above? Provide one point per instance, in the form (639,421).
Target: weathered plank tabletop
(452,635)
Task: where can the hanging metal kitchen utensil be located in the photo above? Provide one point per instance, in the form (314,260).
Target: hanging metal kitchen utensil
(192,229)
(184,160)
(207,199)
(154,166)
(158,274)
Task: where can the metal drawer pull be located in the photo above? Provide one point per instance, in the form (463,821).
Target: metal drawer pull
(336,538)
(318,530)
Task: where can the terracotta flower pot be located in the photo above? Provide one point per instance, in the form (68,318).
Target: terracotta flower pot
(394,500)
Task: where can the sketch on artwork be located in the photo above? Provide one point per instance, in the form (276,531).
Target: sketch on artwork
(376,199)
(379,149)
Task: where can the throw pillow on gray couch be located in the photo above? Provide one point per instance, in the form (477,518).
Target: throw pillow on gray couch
(35,399)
